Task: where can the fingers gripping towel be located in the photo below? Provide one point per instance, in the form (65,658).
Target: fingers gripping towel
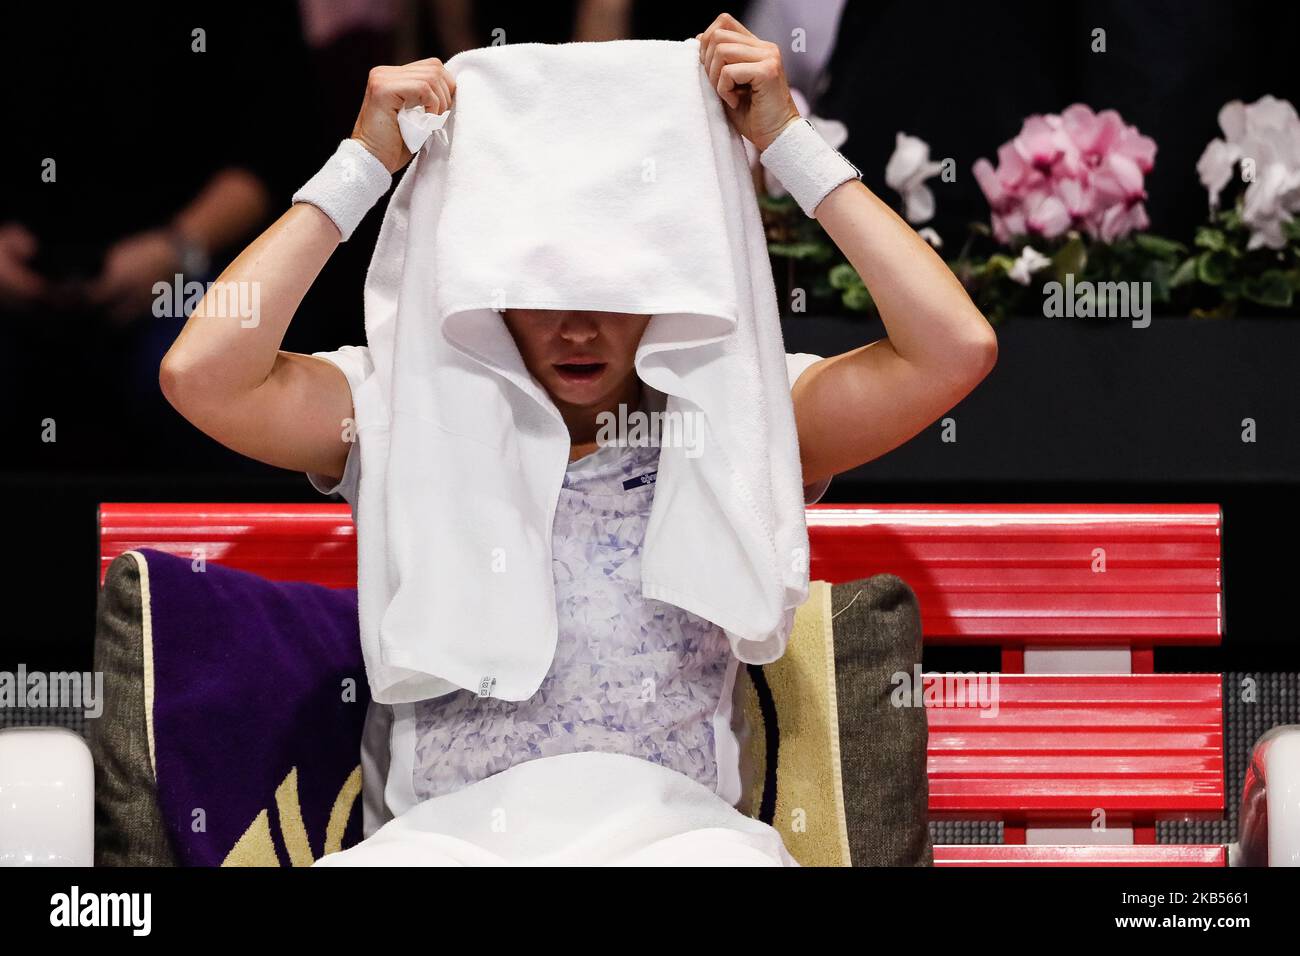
(589,176)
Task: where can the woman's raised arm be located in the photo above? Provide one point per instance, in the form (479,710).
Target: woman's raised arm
(225,373)
(854,407)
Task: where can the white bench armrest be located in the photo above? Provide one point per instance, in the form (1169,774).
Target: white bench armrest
(47,798)
(1270,800)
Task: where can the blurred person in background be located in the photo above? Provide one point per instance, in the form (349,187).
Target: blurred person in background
(115,180)
(807,32)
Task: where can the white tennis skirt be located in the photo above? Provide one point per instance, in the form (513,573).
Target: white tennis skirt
(578,809)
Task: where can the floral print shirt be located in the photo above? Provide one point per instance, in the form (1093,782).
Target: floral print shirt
(630,675)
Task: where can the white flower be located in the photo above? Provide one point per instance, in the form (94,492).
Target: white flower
(906,173)
(1030,261)
(1267,134)
(1215,168)
(932,237)
(1270,202)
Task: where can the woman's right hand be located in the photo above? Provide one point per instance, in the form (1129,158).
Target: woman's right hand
(391,88)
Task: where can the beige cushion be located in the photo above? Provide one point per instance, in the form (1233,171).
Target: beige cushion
(827,759)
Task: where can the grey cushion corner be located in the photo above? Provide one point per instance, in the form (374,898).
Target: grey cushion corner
(129,829)
(877,635)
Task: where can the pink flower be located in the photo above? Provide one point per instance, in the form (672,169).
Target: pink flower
(1119,220)
(1046,215)
(1007,227)
(990,182)
(1040,143)
(1080,170)
(1079,200)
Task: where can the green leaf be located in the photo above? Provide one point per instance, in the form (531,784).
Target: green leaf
(1159,246)
(798,250)
(1071,258)
(1272,288)
(858,299)
(1211,239)
(1291,229)
(1185,273)
(998,264)
(1212,267)
(844,277)
(1158,273)
(776,203)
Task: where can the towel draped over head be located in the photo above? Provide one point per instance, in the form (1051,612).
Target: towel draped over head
(588,176)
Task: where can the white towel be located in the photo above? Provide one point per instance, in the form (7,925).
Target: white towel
(578,809)
(598,176)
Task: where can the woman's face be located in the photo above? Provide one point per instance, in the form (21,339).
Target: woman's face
(583,359)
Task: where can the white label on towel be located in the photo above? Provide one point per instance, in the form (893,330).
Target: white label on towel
(485,686)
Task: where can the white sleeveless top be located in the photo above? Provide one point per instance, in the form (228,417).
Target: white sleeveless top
(630,675)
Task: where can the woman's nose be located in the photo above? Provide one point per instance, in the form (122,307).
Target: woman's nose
(578,328)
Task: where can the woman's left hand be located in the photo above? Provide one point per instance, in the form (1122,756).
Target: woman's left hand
(748,76)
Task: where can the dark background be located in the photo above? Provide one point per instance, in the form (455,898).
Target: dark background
(137,123)
(963,76)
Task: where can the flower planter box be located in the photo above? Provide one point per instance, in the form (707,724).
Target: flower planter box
(1073,400)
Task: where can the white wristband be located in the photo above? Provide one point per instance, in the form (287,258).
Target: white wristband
(807,166)
(350,182)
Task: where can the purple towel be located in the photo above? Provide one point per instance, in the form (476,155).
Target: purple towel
(252,679)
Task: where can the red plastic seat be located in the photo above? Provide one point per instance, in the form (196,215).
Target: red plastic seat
(1140,746)
(1060,748)
(291,542)
(1154,854)
(1017,575)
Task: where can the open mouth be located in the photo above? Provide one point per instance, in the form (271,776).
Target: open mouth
(578,372)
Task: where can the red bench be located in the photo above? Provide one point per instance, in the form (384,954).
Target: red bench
(1023,575)
(1154,854)
(1138,746)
